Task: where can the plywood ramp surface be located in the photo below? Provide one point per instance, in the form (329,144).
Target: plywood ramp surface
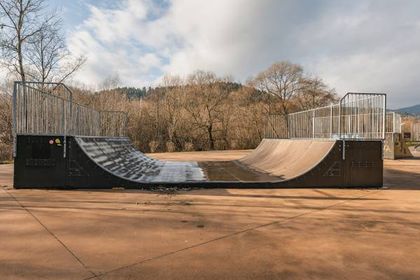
(287,158)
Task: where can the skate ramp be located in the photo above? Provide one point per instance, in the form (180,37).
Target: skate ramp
(274,160)
(415,151)
(118,157)
(287,158)
(107,162)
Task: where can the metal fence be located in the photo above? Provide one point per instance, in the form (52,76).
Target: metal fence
(276,127)
(415,135)
(411,128)
(49,109)
(315,123)
(359,116)
(393,122)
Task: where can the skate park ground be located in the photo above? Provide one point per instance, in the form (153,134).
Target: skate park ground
(213,233)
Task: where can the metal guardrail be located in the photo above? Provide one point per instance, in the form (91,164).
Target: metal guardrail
(357,116)
(393,122)
(49,109)
(416,132)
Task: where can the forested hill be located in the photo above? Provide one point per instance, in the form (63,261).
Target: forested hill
(138,93)
(412,110)
(132,92)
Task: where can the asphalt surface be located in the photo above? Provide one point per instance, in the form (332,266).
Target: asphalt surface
(214,234)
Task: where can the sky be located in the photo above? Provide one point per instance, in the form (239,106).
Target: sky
(359,45)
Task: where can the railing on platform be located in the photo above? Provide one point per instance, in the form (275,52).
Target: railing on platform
(416,132)
(276,127)
(49,109)
(393,122)
(357,116)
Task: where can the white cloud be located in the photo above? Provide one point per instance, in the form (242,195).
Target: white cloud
(149,61)
(352,45)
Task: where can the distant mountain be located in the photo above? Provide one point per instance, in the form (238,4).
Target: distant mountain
(412,110)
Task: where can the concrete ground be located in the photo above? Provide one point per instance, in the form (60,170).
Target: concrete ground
(214,234)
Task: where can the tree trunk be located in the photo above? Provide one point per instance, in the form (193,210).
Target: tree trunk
(19,43)
(20,59)
(211,139)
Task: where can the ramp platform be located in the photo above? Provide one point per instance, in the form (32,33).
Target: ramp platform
(107,162)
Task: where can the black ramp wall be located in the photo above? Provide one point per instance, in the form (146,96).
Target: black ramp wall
(106,162)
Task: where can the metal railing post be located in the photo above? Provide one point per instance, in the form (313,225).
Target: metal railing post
(64,129)
(126,125)
(393,122)
(14,124)
(313,124)
(384,116)
(331,120)
(339,120)
(67,115)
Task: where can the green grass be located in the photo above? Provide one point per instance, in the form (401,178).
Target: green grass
(412,143)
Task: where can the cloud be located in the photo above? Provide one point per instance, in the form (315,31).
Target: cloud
(352,45)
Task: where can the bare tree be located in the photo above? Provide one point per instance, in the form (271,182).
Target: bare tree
(314,93)
(110,82)
(32,44)
(19,21)
(250,114)
(172,104)
(5,124)
(281,80)
(289,90)
(109,98)
(48,56)
(204,103)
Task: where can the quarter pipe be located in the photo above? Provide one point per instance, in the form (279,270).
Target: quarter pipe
(107,162)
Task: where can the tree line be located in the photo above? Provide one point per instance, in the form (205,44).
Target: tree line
(204,111)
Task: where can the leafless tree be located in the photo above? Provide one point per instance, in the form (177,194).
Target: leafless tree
(110,82)
(48,56)
(32,44)
(5,125)
(172,105)
(290,90)
(250,113)
(109,98)
(314,93)
(5,118)
(206,96)
(281,80)
(19,21)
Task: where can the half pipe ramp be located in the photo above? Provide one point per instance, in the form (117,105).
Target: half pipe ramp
(106,162)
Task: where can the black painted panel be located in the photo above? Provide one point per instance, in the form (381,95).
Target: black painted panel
(40,164)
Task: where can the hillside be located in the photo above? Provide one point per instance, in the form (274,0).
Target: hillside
(138,93)
(412,110)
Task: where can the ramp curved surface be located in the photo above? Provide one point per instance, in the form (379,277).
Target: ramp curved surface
(118,157)
(287,158)
(279,159)
(106,162)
